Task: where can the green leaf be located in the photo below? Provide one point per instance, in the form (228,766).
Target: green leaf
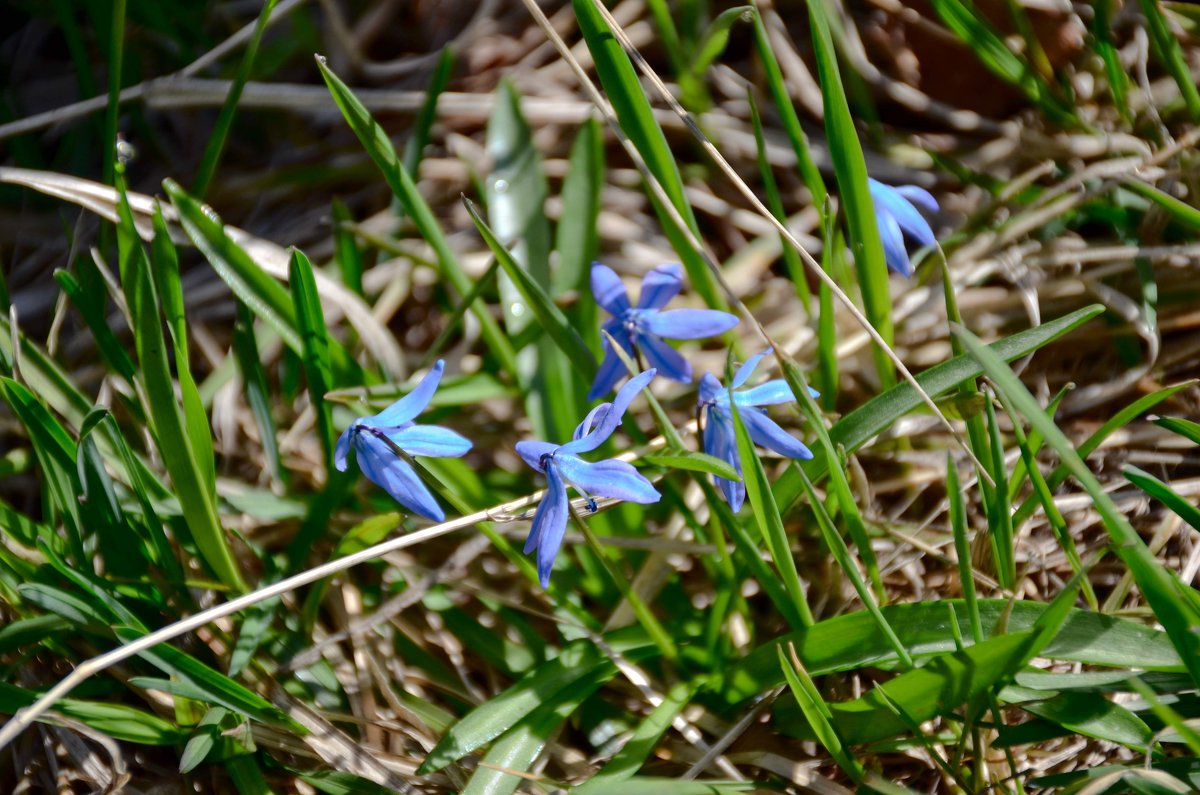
(877,414)
(766,514)
(1160,587)
(191,476)
(1185,428)
(115,720)
(577,239)
(577,662)
(1089,714)
(375,140)
(693,462)
(636,117)
(311,323)
(817,713)
(1163,493)
(851,169)
(1168,50)
(1181,211)
(254,385)
(549,316)
(110,348)
(853,641)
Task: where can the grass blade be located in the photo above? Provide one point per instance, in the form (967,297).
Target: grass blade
(1171,54)
(1158,585)
(817,712)
(310,321)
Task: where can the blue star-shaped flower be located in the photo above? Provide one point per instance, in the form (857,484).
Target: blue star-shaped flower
(378,440)
(643,327)
(896,212)
(720,437)
(562,465)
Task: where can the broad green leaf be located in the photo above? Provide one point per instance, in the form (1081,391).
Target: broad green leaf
(115,720)
(853,641)
(1089,714)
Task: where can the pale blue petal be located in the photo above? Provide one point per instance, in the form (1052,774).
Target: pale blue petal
(766,433)
(412,404)
(608,478)
(531,452)
(665,359)
(688,324)
(719,442)
(746,370)
(608,290)
(919,197)
(549,524)
(769,394)
(594,416)
(392,474)
(343,448)
(912,224)
(660,285)
(430,440)
(612,419)
(711,390)
(611,369)
(894,253)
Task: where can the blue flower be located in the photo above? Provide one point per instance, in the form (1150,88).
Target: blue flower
(896,212)
(643,327)
(379,440)
(562,465)
(720,437)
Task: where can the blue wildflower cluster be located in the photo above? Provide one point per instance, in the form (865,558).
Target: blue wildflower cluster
(384,443)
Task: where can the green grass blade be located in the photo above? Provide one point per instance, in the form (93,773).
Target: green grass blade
(220,131)
(549,316)
(310,321)
(817,712)
(1167,48)
(636,117)
(414,148)
(254,385)
(852,641)
(1185,428)
(962,549)
(637,749)
(576,238)
(791,258)
(716,38)
(110,348)
(1093,442)
(345,248)
(766,514)
(577,663)
(379,147)
(1181,211)
(1158,585)
(1163,493)
(1000,528)
(978,34)
(112,117)
(809,172)
(693,462)
(1118,80)
(877,414)
(851,169)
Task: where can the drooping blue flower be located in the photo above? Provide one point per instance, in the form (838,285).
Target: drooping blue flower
(643,327)
(377,440)
(896,212)
(562,465)
(720,437)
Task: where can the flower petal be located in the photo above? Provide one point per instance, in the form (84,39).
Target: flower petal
(549,524)
(608,478)
(918,197)
(612,368)
(890,201)
(746,370)
(343,448)
(593,417)
(608,290)
(665,359)
(612,419)
(430,440)
(660,285)
(531,452)
(412,404)
(392,474)
(766,433)
(718,441)
(894,253)
(770,394)
(711,390)
(688,324)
